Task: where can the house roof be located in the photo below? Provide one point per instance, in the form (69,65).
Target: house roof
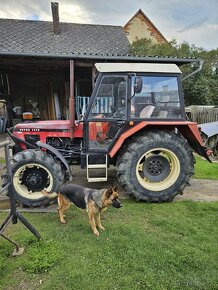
(37,37)
(26,38)
(140,12)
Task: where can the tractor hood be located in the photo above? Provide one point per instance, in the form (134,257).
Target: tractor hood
(54,128)
(56,125)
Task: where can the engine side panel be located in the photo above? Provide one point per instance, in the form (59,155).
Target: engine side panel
(44,130)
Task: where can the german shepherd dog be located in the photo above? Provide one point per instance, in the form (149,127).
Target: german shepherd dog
(93,200)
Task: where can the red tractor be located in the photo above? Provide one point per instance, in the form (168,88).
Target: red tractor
(135,120)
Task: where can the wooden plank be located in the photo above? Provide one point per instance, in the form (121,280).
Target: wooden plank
(51,102)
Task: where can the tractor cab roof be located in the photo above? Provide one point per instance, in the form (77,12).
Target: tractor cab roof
(138,67)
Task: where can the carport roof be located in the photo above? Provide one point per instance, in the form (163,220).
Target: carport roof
(28,38)
(37,37)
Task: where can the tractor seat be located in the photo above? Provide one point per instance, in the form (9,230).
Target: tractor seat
(147,111)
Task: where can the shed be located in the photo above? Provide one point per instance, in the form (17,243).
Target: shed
(35,61)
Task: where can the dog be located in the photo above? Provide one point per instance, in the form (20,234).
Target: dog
(93,200)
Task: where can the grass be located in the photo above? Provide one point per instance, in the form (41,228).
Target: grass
(205,170)
(145,246)
(2,161)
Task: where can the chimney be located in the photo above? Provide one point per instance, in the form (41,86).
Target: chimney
(55,16)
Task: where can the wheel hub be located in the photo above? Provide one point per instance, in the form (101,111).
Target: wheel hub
(156,168)
(35,179)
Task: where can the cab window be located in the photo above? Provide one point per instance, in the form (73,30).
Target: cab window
(110,101)
(159,98)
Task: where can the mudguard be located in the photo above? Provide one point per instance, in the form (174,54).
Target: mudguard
(188,130)
(191,133)
(58,154)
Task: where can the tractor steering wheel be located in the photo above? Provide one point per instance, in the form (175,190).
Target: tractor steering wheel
(116,112)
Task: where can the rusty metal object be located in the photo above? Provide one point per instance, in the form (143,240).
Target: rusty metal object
(14,214)
(209,133)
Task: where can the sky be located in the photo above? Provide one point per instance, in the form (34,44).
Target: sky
(195,21)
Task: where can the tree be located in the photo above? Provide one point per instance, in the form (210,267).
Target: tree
(202,88)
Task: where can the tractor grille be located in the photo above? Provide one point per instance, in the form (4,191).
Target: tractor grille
(32,139)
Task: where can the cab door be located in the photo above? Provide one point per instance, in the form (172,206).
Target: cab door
(107,113)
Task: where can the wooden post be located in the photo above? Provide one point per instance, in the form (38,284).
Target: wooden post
(72,100)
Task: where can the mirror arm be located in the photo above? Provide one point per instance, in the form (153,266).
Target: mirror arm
(132,96)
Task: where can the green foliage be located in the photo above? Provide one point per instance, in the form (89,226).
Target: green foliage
(201,89)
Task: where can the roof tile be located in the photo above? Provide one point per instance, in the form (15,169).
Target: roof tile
(37,37)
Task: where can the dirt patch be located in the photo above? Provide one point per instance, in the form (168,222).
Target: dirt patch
(199,190)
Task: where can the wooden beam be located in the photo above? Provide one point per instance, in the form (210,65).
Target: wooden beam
(72,100)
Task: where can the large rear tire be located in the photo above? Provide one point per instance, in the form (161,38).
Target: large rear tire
(33,171)
(156,166)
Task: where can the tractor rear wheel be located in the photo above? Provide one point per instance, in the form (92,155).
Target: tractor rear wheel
(156,167)
(32,172)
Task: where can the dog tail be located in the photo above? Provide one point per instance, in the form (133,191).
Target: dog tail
(49,195)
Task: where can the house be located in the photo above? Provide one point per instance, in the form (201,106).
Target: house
(35,61)
(141,27)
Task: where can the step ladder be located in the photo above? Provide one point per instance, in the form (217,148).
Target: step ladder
(96,166)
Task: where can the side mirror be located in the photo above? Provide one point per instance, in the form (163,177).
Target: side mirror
(138,85)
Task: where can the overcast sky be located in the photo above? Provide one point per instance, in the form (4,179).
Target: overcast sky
(195,21)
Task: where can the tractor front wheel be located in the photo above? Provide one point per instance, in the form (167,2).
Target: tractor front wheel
(156,167)
(33,171)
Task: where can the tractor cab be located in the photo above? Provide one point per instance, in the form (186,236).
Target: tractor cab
(124,95)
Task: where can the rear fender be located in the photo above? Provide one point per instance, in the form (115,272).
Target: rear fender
(188,130)
(191,133)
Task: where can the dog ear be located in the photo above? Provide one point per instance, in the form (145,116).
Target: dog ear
(109,192)
(115,188)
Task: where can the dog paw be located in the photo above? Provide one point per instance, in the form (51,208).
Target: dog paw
(96,233)
(63,222)
(102,228)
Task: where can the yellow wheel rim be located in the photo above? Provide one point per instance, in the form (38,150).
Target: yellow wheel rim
(24,183)
(158,169)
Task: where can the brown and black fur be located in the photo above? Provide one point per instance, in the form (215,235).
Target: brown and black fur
(93,200)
